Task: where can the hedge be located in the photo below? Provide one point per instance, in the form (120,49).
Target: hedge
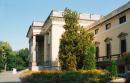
(81,76)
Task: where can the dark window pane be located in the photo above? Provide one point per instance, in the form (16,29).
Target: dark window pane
(122,19)
(96,31)
(108,26)
(97,52)
(123,46)
(108,50)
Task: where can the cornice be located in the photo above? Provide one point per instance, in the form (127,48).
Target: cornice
(112,14)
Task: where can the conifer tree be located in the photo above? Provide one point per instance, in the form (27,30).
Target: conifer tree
(67,54)
(75,44)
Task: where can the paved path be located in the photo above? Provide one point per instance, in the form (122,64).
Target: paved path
(9,77)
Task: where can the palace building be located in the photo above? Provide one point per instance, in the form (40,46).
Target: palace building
(111,36)
(44,39)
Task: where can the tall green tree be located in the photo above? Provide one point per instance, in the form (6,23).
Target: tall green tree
(76,46)
(13,59)
(19,59)
(23,58)
(5,50)
(85,50)
(68,42)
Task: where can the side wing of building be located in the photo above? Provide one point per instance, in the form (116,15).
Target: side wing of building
(112,34)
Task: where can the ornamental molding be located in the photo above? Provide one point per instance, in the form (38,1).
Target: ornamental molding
(97,43)
(108,39)
(122,35)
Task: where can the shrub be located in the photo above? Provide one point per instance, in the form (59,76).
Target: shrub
(126,57)
(81,76)
(114,69)
(90,61)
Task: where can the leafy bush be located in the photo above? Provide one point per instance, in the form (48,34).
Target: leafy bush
(126,56)
(81,76)
(114,69)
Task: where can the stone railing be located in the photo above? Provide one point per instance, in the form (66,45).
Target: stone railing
(111,57)
(51,63)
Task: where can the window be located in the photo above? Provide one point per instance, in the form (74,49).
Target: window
(108,26)
(108,47)
(97,52)
(123,43)
(122,19)
(123,46)
(96,31)
(108,50)
(97,49)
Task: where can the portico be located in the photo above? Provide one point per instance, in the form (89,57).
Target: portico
(40,48)
(36,45)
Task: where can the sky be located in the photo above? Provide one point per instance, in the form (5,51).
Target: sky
(17,15)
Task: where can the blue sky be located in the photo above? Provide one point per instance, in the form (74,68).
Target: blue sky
(17,15)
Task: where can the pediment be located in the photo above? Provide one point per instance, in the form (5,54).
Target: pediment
(108,39)
(97,43)
(122,34)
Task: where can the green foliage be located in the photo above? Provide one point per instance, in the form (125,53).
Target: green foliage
(75,44)
(126,57)
(113,70)
(89,61)
(5,50)
(68,42)
(23,58)
(11,59)
(85,76)
(20,59)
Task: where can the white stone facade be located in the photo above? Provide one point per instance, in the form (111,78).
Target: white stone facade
(44,39)
(112,37)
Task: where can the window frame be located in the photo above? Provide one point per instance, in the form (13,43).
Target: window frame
(122,19)
(108,26)
(97,52)
(123,45)
(96,31)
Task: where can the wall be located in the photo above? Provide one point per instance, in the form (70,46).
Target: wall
(57,31)
(113,32)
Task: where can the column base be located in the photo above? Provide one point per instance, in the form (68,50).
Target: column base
(35,68)
(38,68)
(51,68)
(34,63)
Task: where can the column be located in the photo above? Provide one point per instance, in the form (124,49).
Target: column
(30,52)
(34,51)
(45,48)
